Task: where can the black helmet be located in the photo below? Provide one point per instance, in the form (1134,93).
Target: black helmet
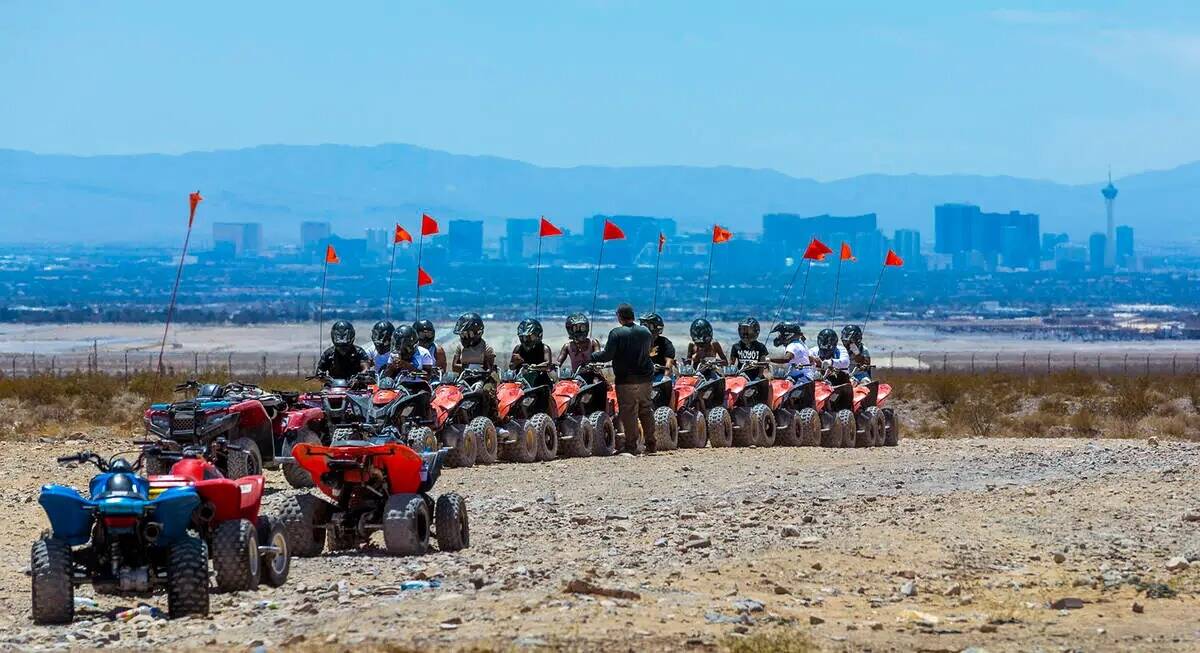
(381,335)
(405,341)
(342,333)
(529,332)
(578,327)
(788,331)
(469,329)
(827,341)
(701,331)
(748,330)
(425,332)
(654,322)
(852,333)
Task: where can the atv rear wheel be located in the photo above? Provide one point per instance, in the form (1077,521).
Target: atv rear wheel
(872,421)
(187,578)
(297,476)
(745,427)
(277,562)
(891,433)
(235,555)
(524,448)
(693,429)
(465,452)
(666,429)
(580,442)
(244,462)
(846,427)
(303,517)
(406,525)
(766,432)
(484,433)
(720,427)
(450,522)
(53,592)
(831,434)
(422,439)
(547,444)
(604,434)
(808,426)
(787,425)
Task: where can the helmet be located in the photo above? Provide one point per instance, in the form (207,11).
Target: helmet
(405,341)
(654,322)
(827,341)
(788,331)
(425,332)
(578,327)
(529,332)
(852,333)
(342,333)
(701,331)
(748,330)
(381,335)
(469,329)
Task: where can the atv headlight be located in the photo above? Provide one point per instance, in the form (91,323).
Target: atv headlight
(160,422)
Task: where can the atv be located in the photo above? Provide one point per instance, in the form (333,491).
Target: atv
(876,423)
(583,406)
(749,402)
(853,414)
(120,540)
(797,411)
(311,416)
(524,429)
(460,416)
(699,404)
(376,484)
(241,413)
(246,547)
(666,421)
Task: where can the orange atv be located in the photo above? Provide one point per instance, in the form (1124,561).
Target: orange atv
(524,429)
(700,407)
(584,405)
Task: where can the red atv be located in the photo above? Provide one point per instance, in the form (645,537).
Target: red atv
(700,407)
(666,421)
(460,418)
(583,406)
(748,396)
(524,428)
(854,414)
(312,416)
(797,410)
(246,547)
(373,485)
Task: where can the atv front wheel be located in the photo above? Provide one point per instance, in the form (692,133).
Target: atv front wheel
(872,431)
(187,578)
(547,447)
(53,592)
(303,518)
(450,523)
(244,460)
(891,433)
(808,426)
(764,435)
(604,433)
(406,525)
(422,439)
(524,448)
(693,429)
(297,476)
(787,432)
(277,561)
(720,427)
(483,431)
(846,427)
(666,429)
(465,452)
(235,555)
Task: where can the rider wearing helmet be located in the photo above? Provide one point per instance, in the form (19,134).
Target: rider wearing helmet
(344,359)
(662,350)
(472,349)
(425,338)
(530,349)
(827,353)
(580,345)
(407,354)
(791,338)
(860,358)
(748,349)
(381,336)
(702,345)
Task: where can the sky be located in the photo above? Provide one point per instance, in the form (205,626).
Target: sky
(809,89)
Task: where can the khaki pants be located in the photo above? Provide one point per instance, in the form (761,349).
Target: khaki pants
(633,402)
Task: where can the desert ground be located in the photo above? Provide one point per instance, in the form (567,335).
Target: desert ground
(998,544)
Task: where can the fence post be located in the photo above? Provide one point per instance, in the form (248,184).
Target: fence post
(1174,358)
(944,356)
(1047,362)
(1097,364)
(1074,361)
(14,366)
(972,363)
(298,364)
(127,366)
(918,361)
(1147,364)
(229,367)
(891,362)
(1126,364)
(1024,358)
(264,363)
(997,365)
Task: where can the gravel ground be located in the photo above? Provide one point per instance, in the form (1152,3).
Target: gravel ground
(934,545)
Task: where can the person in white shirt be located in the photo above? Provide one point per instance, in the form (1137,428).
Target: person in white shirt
(407,356)
(827,351)
(796,357)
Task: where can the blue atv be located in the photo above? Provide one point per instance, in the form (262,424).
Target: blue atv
(119,540)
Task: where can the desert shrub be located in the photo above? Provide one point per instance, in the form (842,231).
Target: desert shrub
(977,414)
(946,389)
(1038,424)
(779,641)
(1083,422)
(1131,399)
(1174,426)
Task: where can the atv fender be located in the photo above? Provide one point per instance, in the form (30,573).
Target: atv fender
(780,390)
(881,395)
(173,509)
(303,417)
(69,513)
(232,499)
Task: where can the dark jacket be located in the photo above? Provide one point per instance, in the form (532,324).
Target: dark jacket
(628,347)
(343,364)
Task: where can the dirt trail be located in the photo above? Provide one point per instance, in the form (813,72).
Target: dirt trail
(935,545)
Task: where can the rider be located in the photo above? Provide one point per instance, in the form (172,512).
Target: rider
(860,358)
(425,338)
(748,349)
(471,349)
(662,350)
(702,345)
(381,335)
(344,359)
(827,353)
(530,349)
(580,345)
(791,338)
(407,355)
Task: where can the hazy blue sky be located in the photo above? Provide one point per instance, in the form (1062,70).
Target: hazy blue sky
(892,87)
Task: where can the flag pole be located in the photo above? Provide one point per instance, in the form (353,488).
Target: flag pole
(321,306)
(175,292)
(391,269)
(537,285)
(837,284)
(875,294)
(596,283)
(657,263)
(420,250)
(787,292)
(804,288)
(708,279)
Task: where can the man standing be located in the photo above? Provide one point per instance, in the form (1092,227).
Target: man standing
(628,347)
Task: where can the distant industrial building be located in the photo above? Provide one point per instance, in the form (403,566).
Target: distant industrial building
(314,234)
(237,238)
(1125,257)
(466,240)
(1003,239)
(1097,246)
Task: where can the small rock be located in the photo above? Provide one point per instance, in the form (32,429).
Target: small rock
(921,618)
(702,543)
(954,590)
(1138,608)
(1059,557)
(814,620)
(1067,603)
(909,588)
(1191,517)
(791,531)
(816,566)
(810,542)
(749,605)
(581,586)
(517,507)
(1152,441)
(1178,563)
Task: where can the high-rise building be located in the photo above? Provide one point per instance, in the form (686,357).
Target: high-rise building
(907,243)
(640,231)
(952,227)
(1110,197)
(516,233)
(238,238)
(1008,239)
(786,234)
(1070,258)
(466,240)
(1125,256)
(379,241)
(1097,246)
(314,234)
(1049,243)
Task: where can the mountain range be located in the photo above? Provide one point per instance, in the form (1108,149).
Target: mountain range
(143,198)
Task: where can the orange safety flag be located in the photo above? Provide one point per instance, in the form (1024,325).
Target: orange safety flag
(817,250)
(612,231)
(721,234)
(423,278)
(892,260)
(548,229)
(193,200)
(331,255)
(402,235)
(429,226)
(662,240)
(847,255)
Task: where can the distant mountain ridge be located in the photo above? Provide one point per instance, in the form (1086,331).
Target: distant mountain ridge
(142,198)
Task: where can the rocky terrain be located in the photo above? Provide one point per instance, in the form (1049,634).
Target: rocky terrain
(1001,544)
